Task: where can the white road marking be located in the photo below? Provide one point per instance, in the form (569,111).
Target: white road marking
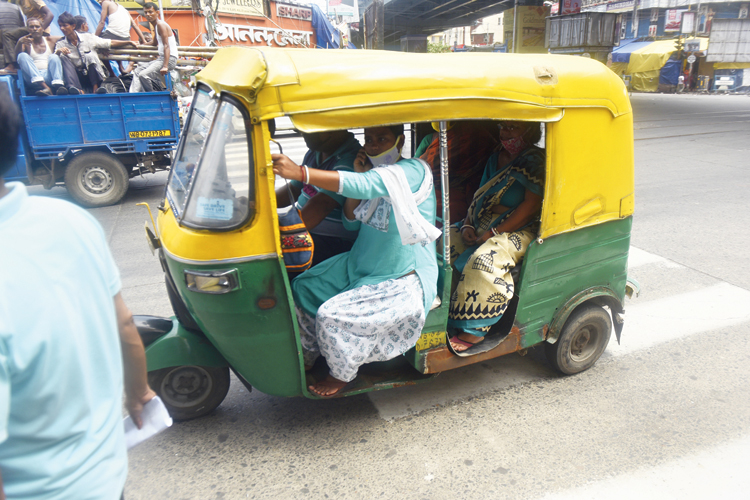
(647,323)
(677,316)
(720,472)
(638,257)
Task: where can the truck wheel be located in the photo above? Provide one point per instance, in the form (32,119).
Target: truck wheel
(190,391)
(96,179)
(582,340)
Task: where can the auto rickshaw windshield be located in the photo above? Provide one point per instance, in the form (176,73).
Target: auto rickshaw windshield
(211,186)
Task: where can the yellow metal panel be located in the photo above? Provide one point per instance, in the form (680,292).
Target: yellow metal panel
(259,237)
(295,82)
(589,170)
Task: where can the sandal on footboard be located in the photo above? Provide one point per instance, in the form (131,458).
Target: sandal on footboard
(469,346)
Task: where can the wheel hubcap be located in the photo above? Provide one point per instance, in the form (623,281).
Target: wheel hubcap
(583,344)
(96,180)
(186,386)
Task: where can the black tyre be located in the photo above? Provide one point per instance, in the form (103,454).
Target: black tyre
(96,179)
(190,391)
(582,340)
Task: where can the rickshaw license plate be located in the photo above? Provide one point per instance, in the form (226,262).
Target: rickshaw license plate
(146,134)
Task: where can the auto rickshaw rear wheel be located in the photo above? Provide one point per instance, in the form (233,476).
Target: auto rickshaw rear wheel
(190,391)
(582,340)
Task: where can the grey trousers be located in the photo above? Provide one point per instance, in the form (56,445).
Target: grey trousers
(143,75)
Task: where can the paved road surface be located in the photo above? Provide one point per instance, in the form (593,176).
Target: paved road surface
(664,415)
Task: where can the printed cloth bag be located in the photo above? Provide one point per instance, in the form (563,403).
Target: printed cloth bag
(296,242)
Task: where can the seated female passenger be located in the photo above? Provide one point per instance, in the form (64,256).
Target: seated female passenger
(501,222)
(369,304)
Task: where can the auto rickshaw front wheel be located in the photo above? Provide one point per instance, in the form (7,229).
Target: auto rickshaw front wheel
(190,391)
(582,340)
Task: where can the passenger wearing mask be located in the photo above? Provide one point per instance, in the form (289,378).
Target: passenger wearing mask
(369,304)
(501,222)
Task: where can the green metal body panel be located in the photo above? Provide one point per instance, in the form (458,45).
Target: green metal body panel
(261,345)
(437,318)
(181,347)
(557,276)
(569,269)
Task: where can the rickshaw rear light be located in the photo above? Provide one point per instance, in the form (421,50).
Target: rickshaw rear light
(214,282)
(266,303)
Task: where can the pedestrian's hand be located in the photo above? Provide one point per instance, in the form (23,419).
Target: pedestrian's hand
(469,236)
(286,168)
(64,51)
(362,163)
(164,71)
(135,406)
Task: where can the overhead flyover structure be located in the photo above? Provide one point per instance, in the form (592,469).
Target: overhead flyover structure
(402,18)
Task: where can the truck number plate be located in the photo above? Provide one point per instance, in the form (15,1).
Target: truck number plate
(145,134)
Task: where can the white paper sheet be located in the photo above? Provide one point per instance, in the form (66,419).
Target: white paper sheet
(155,419)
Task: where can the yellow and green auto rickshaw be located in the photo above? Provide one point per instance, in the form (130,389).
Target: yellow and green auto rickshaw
(217,231)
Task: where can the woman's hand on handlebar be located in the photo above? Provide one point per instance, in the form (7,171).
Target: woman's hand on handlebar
(286,168)
(362,162)
(469,236)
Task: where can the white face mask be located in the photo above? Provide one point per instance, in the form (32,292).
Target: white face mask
(388,157)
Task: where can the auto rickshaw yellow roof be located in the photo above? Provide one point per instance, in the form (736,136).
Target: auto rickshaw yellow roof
(328,89)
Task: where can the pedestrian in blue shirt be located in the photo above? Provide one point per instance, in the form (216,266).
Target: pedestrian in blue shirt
(68,346)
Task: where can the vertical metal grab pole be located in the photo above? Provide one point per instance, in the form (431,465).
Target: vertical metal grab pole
(444,185)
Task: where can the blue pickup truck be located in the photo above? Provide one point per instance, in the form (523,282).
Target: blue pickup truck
(93,143)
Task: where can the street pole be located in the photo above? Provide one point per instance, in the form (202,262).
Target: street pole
(515,22)
(161,13)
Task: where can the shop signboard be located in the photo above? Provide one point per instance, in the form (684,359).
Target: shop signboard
(672,20)
(571,7)
(293,12)
(622,6)
(687,25)
(529,30)
(255,35)
(343,8)
(242,7)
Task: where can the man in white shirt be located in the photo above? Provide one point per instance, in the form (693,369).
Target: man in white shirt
(79,57)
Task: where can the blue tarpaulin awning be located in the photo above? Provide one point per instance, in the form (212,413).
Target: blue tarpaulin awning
(627,47)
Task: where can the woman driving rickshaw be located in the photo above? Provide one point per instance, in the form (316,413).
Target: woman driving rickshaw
(217,232)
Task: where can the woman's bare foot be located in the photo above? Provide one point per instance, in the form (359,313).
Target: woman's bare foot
(328,387)
(467,338)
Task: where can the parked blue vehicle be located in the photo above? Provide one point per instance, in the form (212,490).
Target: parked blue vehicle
(93,143)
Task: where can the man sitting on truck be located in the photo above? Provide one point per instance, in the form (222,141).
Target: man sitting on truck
(40,68)
(118,22)
(11,19)
(32,9)
(80,60)
(82,24)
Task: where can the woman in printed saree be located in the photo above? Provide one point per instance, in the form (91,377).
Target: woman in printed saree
(500,224)
(369,304)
